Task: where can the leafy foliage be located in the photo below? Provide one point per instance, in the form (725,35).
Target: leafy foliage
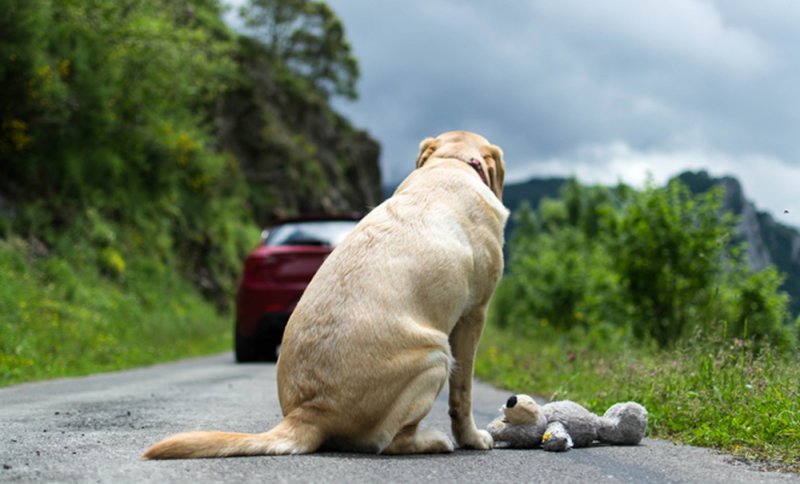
(308,38)
(117,113)
(62,316)
(140,143)
(109,101)
(655,264)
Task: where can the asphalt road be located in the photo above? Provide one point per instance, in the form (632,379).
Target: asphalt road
(94,429)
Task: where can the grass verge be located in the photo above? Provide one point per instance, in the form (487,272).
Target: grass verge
(78,312)
(709,393)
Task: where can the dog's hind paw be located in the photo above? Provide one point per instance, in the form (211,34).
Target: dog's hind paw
(478,439)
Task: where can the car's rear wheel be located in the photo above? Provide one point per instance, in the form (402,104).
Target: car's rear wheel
(270,349)
(246,349)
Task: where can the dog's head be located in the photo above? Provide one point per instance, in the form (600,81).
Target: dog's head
(466,146)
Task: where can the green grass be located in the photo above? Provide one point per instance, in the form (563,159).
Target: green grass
(76,310)
(718,394)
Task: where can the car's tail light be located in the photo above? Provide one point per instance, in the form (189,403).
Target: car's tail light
(256,266)
(275,307)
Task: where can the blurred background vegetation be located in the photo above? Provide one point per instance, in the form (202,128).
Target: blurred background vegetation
(143,144)
(656,265)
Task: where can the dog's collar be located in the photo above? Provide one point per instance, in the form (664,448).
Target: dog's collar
(476,165)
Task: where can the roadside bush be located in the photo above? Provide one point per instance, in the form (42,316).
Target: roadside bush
(655,265)
(63,315)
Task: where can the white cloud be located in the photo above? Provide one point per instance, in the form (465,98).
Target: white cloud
(670,32)
(768,180)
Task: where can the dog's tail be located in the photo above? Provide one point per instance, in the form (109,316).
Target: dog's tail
(288,437)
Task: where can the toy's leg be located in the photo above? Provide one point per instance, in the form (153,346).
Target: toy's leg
(623,424)
(556,438)
(463,344)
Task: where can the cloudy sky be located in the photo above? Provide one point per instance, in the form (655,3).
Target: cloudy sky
(606,90)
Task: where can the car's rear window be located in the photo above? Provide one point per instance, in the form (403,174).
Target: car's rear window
(329,232)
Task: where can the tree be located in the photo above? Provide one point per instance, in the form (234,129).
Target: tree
(308,38)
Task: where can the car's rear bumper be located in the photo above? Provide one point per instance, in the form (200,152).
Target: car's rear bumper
(269,325)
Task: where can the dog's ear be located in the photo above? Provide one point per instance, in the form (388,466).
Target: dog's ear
(426,149)
(497,170)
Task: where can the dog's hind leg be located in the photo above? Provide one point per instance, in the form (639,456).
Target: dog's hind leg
(413,440)
(411,407)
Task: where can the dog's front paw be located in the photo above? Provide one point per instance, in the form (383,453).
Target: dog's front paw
(477,439)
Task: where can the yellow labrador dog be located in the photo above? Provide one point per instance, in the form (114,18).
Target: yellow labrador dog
(395,311)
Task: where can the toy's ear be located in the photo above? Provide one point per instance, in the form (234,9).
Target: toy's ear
(521,409)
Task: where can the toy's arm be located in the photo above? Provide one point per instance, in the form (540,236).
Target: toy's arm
(497,427)
(556,438)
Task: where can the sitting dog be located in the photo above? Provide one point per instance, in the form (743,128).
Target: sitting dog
(393,313)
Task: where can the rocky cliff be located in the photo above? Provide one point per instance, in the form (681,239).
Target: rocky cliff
(297,154)
(767,241)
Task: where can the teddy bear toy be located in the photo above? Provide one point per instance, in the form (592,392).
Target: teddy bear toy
(559,426)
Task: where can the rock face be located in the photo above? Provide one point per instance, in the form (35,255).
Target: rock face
(749,227)
(768,242)
(298,155)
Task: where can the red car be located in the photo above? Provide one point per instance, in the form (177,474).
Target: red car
(275,275)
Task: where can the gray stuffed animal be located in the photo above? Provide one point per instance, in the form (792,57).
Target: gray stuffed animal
(559,426)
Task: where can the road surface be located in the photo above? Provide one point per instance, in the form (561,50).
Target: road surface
(94,429)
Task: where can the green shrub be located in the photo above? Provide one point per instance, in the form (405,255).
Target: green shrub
(656,264)
(63,316)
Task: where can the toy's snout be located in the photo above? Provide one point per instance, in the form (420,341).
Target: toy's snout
(520,409)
